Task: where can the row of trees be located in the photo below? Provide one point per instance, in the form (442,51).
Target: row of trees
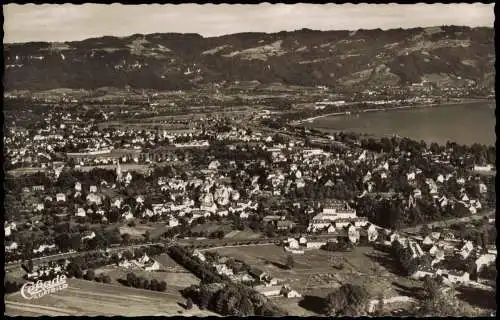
(200,269)
(438,300)
(91,276)
(343,245)
(139,282)
(231,299)
(12,286)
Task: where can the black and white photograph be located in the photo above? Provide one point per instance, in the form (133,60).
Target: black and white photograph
(249,160)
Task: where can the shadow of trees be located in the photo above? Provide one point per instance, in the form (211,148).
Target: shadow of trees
(387,262)
(182,305)
(314,304)
(280,265)
(123,282)
(412,292)
(477,297)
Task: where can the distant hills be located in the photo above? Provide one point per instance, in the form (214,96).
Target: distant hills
(362,58)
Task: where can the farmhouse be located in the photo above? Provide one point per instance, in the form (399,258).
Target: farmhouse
(242,277)
(315,245)
(285,225)
(11,247)
(371,232)
(258,274)
(289,293)
(454,276)
(88,235)
(60,197)
(152,266)
(485,260)
(331,229)
(352,233)
(421,274)
(466,249)
(223,269)
(199,255)
(271,218)
(415,249)
(38,188)
(80,212)
(269,291)
(293,243)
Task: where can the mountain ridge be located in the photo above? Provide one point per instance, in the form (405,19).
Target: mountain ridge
(169,61)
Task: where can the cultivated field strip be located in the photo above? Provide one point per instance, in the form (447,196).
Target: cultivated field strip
(38,309)
(92,298)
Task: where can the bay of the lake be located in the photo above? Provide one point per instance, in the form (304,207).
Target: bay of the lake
(464,123)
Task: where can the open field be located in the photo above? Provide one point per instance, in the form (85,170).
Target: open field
(211,227)
(136,231)
(15,273)
(314,276)
(92,298)
(239,234)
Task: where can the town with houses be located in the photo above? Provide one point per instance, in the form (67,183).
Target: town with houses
(219,181)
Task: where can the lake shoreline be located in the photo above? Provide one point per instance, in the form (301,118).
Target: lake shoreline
(465,122)
(418,106)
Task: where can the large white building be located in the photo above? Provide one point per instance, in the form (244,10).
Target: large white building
(332,211)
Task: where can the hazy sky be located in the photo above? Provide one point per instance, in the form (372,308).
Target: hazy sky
(23,23)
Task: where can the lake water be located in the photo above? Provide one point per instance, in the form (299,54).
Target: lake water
(466,123)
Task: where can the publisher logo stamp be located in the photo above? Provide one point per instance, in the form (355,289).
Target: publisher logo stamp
(34,290)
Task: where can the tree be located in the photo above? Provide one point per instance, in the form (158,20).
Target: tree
(270,232)
(78,273)
(127,255)
(62,241)
(153,285)
(90,275)
(189,304)
(205,296)
(114,259)
(30,265)
(380,305)
(439,301)
(290,262)
(484,241)
(431,287)
(162,286)
(350,300)
(219,234)
(246,308)
(140,283)
(106,278)
(75,241)
(131,279)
